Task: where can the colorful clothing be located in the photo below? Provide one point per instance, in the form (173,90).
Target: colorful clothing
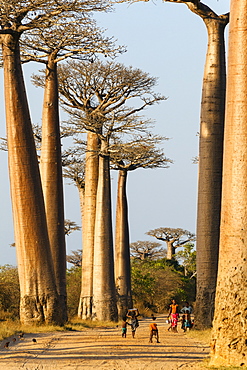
(174,319)
(174,308)
(153,326)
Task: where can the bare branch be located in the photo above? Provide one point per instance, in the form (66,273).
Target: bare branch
(70,226)
(147,250)
(140,152)
(96,96)
(178,236)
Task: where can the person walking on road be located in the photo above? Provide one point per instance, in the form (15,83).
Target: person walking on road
(132,314)
(173,315)
(154,332)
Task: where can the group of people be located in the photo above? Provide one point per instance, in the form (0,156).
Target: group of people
(132,314)
(131,319)
(173,316)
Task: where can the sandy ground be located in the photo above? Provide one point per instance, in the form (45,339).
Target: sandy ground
(104,348)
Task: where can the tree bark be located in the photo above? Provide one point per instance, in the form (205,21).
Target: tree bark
(171,250)
(229,338)
(52,180)
(39,298)
(122,250)
(210,170)
(104,294)
(81,191)
(89,213)
(210,160)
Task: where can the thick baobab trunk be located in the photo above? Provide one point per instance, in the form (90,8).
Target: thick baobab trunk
(104,294)
(210,171)
(39,299)
(89,212)
(52,181)
(229,338)
(210,160)
(122,250)
(171,250)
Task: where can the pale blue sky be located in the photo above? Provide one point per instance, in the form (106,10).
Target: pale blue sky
(169,42)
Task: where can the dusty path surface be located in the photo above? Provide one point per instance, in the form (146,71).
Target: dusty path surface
(104,348)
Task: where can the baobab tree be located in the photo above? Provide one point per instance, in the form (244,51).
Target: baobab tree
(95,94)
(174,238)
(39,296)
(75,171)
(78,39)
(75,258)
(70,227)
(210,160)
(140,152)
(146,250)
(229,337)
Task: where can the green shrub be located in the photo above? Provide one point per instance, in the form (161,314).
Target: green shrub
(73,290)
(156,282)
(9,292)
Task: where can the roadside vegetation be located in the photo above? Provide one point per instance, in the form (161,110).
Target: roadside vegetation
(155,281)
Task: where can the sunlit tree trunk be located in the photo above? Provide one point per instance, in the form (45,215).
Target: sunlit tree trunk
(210,160)
(89,212)
(229,339)
(39,298)
(52,182)
(210,170)
(122,250)
(81,191)
(104,295)
(171,250)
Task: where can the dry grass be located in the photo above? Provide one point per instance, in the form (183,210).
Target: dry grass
(12,327)
(224,367)
(203,336)
(79,324)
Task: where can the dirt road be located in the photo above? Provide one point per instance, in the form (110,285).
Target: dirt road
(104,348)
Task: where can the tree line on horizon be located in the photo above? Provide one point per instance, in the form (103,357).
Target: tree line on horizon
(95,96)
(155,280)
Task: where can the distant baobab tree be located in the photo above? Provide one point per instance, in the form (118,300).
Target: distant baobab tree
(174,238)
(143,151)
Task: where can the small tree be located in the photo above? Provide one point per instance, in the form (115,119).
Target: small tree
(9,292)
(76,173)
(174,238)
(75,258)
(73,289)
(70,227)
(187,257)
(146,250)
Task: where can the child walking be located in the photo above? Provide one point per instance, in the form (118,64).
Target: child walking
(154,332)
(124,327)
